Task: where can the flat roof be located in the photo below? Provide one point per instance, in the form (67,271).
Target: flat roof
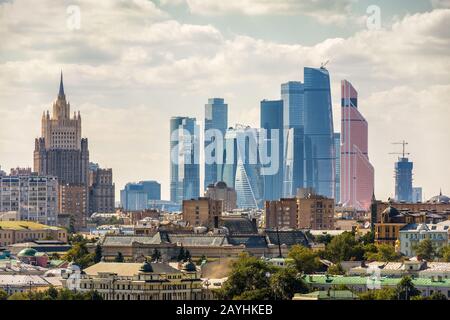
(25,225)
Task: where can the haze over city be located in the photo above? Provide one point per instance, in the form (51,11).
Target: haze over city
(133,64)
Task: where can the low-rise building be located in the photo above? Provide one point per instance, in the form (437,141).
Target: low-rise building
(414,233)
(12,232)
(140,281)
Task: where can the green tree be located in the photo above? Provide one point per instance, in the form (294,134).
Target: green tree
(380,294)
(445,253)
(119,257)
(92,295)
(71,228)
(286,282)
(323,238)
(304,259)
(80,255)
(248,279)
(336,269)
(406,289)
(344,247)
(52,292)
(424,250)
(156,255)
(3,295)
(19,296)
(384,252)
(98,253)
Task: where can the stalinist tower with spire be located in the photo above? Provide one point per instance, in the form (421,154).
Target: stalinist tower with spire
(60,151)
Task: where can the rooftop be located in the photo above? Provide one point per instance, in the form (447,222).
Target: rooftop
(362,280)
(127,269)
(25,225)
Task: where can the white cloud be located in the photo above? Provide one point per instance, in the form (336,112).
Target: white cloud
(129,76)
(324,11)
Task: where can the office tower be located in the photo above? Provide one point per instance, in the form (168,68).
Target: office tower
(216,117)
(292,94)
(242,168)
(319,142)
(403,180)
(184,158)
(61,151)
(101,189)
(34,197)
(417,194)
(220,191)
(138,196)
(272,121)
(337,167)
(357,173)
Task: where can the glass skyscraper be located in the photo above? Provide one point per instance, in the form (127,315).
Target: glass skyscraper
(357,173)
(136,196)
(216,117)
(319,138)
(184,159)
(242,168)
(271,114)
(337,167)
(403,180)
(292,94)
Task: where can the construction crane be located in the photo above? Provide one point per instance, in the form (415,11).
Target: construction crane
(323,64)
(403,153)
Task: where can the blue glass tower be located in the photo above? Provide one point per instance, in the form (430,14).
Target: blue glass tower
(216,117)
(242,168)
(319,139)
(135,196)
(292,94)
(272,119)
(184,159)
(403,180)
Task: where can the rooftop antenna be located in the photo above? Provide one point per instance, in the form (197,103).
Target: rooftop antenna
(323,64)
(403,153)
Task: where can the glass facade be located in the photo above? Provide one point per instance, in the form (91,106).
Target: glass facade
(272,119)
(216,117)
(292,94)
(357,173)
(184,159)
(319,139)
(136,196)
(403,180)
(242,167)
(337,166)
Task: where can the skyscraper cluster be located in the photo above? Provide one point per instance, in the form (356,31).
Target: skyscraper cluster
(296,137)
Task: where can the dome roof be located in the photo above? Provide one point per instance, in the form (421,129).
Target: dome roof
(221,185)
(439,199)
(27,252)
(73,267)
(146,267)
(391,211)
(189,266)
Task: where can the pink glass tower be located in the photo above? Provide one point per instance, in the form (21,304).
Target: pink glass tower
(357,174)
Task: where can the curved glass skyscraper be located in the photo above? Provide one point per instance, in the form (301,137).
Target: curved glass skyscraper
(319,141)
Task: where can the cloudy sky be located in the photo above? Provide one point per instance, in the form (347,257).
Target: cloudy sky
(133,64)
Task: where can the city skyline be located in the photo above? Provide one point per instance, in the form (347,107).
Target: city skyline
(108,100)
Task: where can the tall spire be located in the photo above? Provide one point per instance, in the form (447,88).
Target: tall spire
(61,87)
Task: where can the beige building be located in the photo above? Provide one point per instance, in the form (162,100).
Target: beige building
(12,232)
(101,190)
(73,201)
(281,213)
(220,191)
(306,212)
(140,281)
(201,211)
(315,212)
